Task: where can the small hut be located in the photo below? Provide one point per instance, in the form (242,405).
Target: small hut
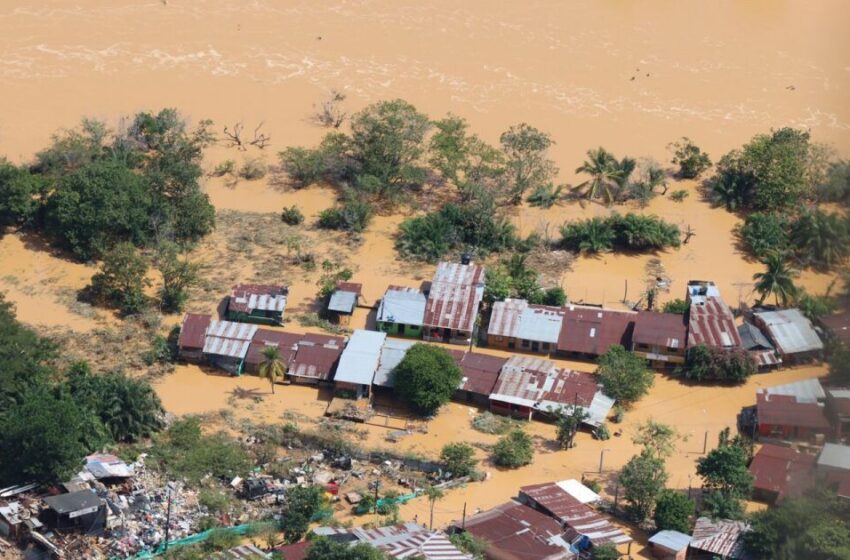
(343,301)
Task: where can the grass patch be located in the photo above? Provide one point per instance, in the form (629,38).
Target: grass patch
(489,423)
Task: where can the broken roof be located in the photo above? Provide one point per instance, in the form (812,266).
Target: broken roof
(245,298)
(73,502)
(721,537)
(567,501)
(782,470)
(392,354)
(516,318)
(667,330)
(107,466)
(361,356)
(790,330)
(514,531)
(711,323)
(480,371)
(193,330)
(405,306)
(227,338)
(592,330)
(455,295)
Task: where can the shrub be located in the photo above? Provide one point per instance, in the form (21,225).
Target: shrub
(705,363)
(122,279)
(215,501)
(514,449)
(624,376)
(679,196)
(604,552)
(545,195)
(691,160)
(227,167)
(836,187)
(490,423)
(601,432)
(765,233)
(678,306)
(185,452)
(253,169)
(426,378)
(292,216)
(459,459)
(673,511)
(631,232)
(352,215)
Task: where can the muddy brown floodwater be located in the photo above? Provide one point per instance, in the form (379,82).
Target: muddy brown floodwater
(631,77)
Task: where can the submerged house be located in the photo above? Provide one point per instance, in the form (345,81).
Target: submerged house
(719,539)
(392,353)
(516,324)
(193,332)
(792,334)
(781,472)
(590,331)
(453,301)
(226,344)
(401,312)
(660,338)
(257,303)
(837,327)
(359,362)
(285,342)
(710,321)
(343,301)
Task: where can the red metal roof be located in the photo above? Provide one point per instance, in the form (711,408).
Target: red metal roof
(296,551)
(240,296)
(352,287)
(514,531)
(193,330)
(455,295)
(480,372)
(712,323)
(286,343)
(315,362)
(782,470)
(838,326)
(588,330)
(579,518)
(785,410)
(660,329)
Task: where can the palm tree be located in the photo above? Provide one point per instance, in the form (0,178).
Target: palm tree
(598,237)
(777,279)
(272,366)
(624,169)
(604,170)
(821,238)
(433,494)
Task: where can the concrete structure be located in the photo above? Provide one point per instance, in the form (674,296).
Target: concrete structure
(517,325)
(710,321)
(781,472)
(792,412)
(359,362)
(453,301)
(590,331)
(193,332)
(343,301)
(257,303)
(660,338)
(514,531)
(717,540)
(669,545)
(401,312)
(791,333)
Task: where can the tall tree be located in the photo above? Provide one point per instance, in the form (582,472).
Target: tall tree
(528,166)
(272,367)
(20,191)
(657,438)
(568,424)
(604,171)
(673,511)
(122,279)
(777,279)
(514,449)
(643,479)
(178,275)
(821,239)
(624,375)
(426,378)
(26,357)
(726,478)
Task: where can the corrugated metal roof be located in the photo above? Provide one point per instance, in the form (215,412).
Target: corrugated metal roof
(405,306)
(392,354)
(591,330)
(504,317)
(285,342)
(540,323)
(721,537)
(671,540)
(752,338)
(245,551)
(455,295)
(247,297)
(711,323)
(765,358)
(805,391)
(786,410)
(315,361)
(226,338)
(405,540)
(342,302)
(193,330)
(835,456)
(108,466)
(73,501)
(361,356)
(667,330)
(790,330)
(838,325)
(480,371)
(782,470)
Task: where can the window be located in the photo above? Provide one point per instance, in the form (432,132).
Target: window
(525,344)
(546,346)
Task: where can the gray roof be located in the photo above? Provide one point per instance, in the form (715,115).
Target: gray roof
(245,551)
(226,338)
(835,456)
(790,330)
(405,306)
(752,337)
(671,540)
(75,501)
(342,301)
(359,360)
(516,318)
(392,354)
(805,391)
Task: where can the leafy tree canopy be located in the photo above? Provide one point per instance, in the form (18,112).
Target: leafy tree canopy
(705,363)
(631,232)
(426,377)
(459,459)
(643,479)
(513,450)
(25,356)
(326,549)
(692,161)
(122,279)
(674,511)
(624,376)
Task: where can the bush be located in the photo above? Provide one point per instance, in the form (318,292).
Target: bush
(215,501)
(514,449)
(691,160)
(604,552)
(836,187)
(673,511)
(122,279)
(183,451)
(227,167)
(601,432)
(426,378)
(705,363)
(631,232)
(292,216)
(679,196)
(624,376)
(352,215)
(253,169)
(19,192)
(677,306)
(765,233)
(459,459)
(546,195)
(489,423)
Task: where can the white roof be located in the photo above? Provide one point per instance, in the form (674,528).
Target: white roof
(227,338)
(835,456)
(578,491)
(264,302)
(790,330)
(361,356)
(342,301)
(806,391)
(392,354)
(671,540)
(405,306)
(540,324)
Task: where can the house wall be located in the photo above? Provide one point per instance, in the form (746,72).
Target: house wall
(468,397)
(523,345)
(509,409)
(195,355)
(663,356)
(359,390)
(228,364)
(400,329)
(433,334)
(789,432)
(662,553)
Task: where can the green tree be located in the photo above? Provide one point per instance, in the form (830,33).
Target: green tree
(272,367)
(777,279)
(19,193)
(593,236)
(426,378)
(605,551)
(527,164)
(705,363)
(545,195)
(839,366)
(459,459)
(821,239)
(514,449)
(673,511)
(26,357)
(657,438)
(836,185)
(45,437)
(604,171)
(726,478)
(765,233)
(122,279)
(129,408)
(325,549)
(178,275)
(677,306)
(332,274)
(691,160)
(643,478)
(624,376)
(185,452)
(302,504)
(353,214)
(568,424)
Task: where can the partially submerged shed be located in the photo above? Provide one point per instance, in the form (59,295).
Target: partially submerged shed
(343,301)
(792,334)
(257,303)
(401,312)
(453,301)
(359,362)
(718,539)
(669,545)
(193,332)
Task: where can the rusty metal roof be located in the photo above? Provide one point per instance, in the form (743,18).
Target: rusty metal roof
(245,298)
(838,326)
(285,342)
(668,330)
(480,372)
(226,338)
(721,537)
(790,330)
(193,330)
(315,362)
(782,470)
(591,330)
(712,323)
(537,383)
(455,296)
(786,410)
